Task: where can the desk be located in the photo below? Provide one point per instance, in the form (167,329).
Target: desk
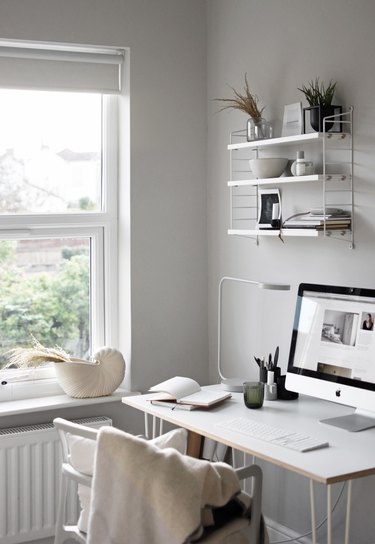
(350,455)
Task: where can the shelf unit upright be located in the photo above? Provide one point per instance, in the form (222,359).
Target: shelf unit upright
(333,180)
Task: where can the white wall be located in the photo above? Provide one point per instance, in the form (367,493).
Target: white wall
(282,45)
(167,167)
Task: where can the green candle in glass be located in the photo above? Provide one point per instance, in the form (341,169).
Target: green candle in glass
(253,394)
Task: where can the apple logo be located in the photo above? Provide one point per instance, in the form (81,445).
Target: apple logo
(338,392)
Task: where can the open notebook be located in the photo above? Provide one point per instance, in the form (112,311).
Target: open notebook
(185,391)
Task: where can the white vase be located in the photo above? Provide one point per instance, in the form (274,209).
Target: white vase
(88,379)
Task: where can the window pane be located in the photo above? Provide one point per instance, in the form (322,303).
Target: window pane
(44,292)
(50,152)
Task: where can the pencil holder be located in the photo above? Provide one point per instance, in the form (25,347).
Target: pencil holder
(263,375)
(270,391)
(282,393)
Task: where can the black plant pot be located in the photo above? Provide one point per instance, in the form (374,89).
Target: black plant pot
(317,115)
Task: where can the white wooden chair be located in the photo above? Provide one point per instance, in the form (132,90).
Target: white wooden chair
(69,473)
(69,431)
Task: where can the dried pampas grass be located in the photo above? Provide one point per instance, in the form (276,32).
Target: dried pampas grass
(36,355)
(246,102)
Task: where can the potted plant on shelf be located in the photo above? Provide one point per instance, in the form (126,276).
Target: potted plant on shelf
(320,99)
(257,127)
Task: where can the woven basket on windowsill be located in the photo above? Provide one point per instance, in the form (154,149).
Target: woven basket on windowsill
(88,379)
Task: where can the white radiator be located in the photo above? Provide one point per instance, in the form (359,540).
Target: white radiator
(30,466)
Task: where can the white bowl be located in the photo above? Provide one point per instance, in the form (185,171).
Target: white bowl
(268,168)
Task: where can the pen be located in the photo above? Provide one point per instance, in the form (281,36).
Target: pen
(173,405)
(276,358)
(269,366)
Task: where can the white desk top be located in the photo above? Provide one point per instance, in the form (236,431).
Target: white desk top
(350,455)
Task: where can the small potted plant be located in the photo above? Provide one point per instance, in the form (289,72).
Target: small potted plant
(319,96)
(257,127)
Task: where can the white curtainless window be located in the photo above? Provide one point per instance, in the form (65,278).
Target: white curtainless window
(58,198)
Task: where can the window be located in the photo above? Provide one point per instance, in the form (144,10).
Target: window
(50,152)
(58,195)
(45,292)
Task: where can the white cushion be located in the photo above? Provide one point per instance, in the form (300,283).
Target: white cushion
(82,453)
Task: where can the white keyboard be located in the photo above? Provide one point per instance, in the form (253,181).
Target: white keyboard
(274,435)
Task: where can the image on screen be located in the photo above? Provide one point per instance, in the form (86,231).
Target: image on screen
(333,336)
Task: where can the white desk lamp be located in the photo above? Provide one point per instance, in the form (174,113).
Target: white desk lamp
(236,384)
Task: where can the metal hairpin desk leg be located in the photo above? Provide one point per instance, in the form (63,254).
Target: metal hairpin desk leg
(348,511)
(329,513)
(154,422)
(146,426)
(312,509)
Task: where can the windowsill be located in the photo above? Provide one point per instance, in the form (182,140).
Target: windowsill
(23,406)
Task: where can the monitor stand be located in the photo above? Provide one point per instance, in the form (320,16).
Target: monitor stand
(355,422)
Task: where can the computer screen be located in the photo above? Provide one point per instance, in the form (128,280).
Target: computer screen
(332,352)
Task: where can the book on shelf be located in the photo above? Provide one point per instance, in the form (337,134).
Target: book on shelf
(317,227)
(327,211)
(314,222)
(327,217)
(338,226)
(328,225)
(185,391)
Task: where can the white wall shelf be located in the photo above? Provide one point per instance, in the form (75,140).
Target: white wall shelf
(290,140)
(289,179)
(306,233)
(330,186)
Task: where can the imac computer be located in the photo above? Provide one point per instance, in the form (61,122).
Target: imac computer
(332,352)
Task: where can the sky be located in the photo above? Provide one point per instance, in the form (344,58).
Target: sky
(31,119)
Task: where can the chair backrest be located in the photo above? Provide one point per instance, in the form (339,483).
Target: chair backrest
(79,444)
(64,427)
(78,450)
(163,496)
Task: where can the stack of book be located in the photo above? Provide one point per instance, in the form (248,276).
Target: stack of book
(337,220)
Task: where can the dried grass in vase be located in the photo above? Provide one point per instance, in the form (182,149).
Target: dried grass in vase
(246,102)
(36,355)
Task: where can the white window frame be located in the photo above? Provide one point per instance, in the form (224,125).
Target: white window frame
(101,227)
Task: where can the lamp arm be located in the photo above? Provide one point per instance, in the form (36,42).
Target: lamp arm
(261,285)
(225,278)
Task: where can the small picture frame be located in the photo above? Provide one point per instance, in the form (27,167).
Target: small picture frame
(292,120)
(269,209)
